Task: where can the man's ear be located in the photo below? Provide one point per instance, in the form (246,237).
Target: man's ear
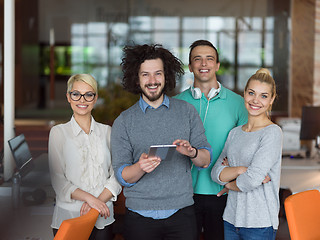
(218,66)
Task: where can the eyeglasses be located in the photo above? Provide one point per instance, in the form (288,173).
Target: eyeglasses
(88,96)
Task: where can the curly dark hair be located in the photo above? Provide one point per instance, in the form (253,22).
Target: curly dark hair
(135,55)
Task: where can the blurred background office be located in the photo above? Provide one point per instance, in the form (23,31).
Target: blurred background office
(88,37)
(55,39)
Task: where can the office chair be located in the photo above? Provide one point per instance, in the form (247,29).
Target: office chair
(24,165)
(21,154)
(303,215)
(78,228)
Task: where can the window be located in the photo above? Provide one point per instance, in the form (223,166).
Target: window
(245,44)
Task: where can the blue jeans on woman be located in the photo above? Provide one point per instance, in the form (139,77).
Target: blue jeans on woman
(240,233)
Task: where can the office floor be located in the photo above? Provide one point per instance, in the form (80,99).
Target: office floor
(33,222)
(25,223)
(28,220)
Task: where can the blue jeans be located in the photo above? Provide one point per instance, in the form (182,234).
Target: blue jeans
(239,233)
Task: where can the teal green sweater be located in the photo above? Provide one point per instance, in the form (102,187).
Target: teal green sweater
(225,111)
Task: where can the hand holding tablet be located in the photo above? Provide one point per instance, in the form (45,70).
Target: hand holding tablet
(165,152)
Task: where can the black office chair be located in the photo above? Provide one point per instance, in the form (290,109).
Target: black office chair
(22,155)
(24,165)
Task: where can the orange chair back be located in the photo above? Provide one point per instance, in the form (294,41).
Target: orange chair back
(78,228)
(303,215)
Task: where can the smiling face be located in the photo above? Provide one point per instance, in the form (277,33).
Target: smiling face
(152,81)
(258,98)
(81,107)
(204,63)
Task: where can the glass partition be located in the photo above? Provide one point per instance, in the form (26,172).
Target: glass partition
(244,43)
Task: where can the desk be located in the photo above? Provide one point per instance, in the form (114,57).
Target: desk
(300,174)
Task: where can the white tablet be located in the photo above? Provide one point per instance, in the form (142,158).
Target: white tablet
(165,152)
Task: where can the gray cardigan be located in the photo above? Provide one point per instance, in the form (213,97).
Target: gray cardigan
(169,186)
(257,205)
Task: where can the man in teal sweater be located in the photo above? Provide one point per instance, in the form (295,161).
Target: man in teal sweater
(220,110)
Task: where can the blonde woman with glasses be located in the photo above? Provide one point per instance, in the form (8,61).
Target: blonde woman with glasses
(80,162)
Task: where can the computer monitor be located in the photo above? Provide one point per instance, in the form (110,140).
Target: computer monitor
(310,123)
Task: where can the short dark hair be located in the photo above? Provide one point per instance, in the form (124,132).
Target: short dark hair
(202,43)
(135,55)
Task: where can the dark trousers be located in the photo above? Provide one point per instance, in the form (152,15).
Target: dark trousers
(209,210)
(97,234)
(181,225)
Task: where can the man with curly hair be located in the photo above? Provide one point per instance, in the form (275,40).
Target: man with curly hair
(159,202)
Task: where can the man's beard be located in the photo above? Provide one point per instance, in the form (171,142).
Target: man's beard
(152,97)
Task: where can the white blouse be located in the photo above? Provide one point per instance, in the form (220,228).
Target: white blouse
(80,160)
